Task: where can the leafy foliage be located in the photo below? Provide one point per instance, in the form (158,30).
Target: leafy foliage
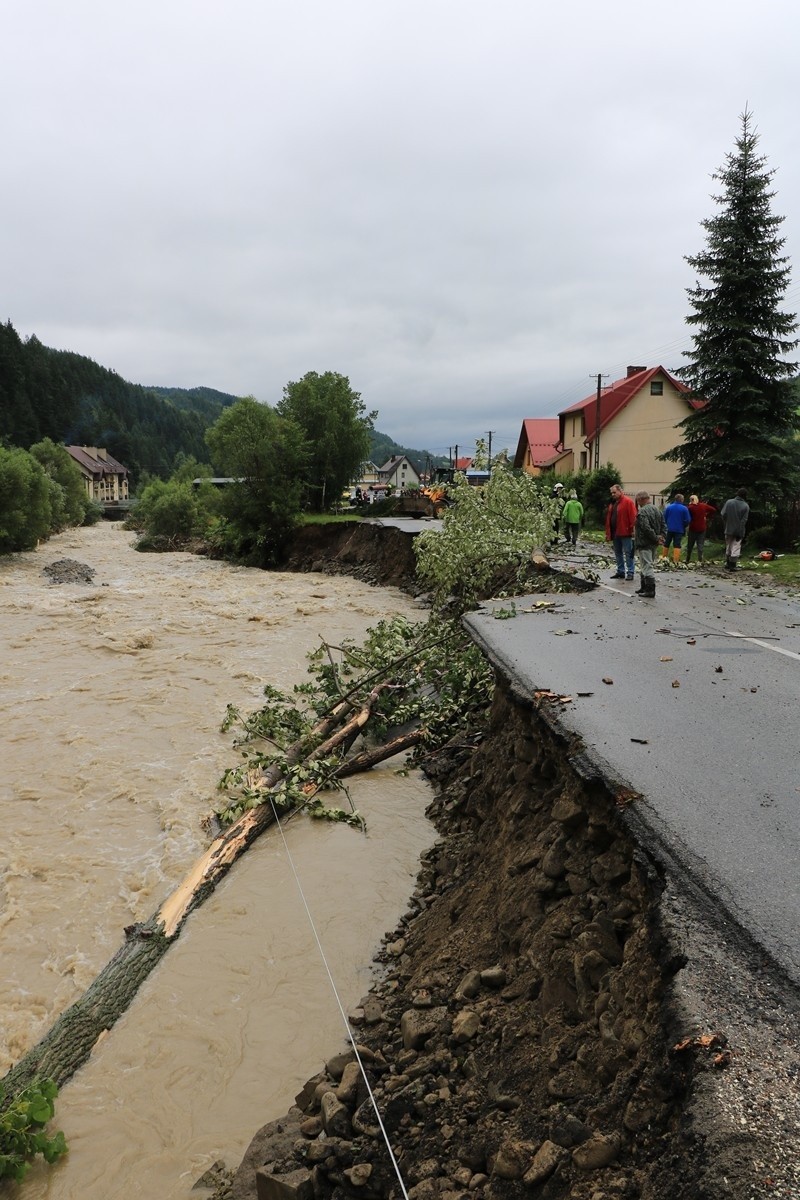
(69,504)
(25,509)
(169,515)
(428,676)
(22,1134)
(337,428)
(738,365)
(595,488)
(484,530)
(266,456)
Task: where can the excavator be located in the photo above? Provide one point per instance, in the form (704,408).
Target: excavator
(431,500)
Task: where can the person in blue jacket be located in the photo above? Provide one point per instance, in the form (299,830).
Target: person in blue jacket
(677,518)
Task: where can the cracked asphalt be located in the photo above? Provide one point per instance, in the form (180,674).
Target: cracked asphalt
(691,702)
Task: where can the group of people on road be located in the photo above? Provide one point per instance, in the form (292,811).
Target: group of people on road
(641,524)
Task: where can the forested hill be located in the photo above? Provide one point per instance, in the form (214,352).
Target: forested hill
(70,398)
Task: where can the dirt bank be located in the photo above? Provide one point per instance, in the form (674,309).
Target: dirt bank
(377,554)
(557,1017)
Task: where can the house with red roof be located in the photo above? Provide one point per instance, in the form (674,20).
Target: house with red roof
(537,449)
(630,424)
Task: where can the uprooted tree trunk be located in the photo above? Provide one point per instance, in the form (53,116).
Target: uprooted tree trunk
(70,1040)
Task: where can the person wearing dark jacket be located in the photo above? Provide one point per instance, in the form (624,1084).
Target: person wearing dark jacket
(651,532)
(620,520)
(734,513)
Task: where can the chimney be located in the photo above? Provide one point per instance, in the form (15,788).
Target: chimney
(635,371)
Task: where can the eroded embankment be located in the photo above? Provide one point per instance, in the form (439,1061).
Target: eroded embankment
(539,1031)
(375,553)
(520,1042)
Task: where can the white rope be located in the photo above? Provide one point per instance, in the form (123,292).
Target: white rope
(348,1031)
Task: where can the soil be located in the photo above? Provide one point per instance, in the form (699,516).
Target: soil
(554,1017)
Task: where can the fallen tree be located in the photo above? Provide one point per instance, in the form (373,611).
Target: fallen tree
(408,687)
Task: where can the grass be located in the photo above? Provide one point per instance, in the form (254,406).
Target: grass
(329,518)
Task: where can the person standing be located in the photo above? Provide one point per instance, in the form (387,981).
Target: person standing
(651,532)
(734,513)
(678,518)
(700,512)
(557,494)
(620,520)
(572,515)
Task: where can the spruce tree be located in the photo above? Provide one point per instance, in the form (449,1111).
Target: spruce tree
(741,432)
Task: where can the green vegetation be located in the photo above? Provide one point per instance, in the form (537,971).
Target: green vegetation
(22,1133)
(486,530)
(336,427)
(69,504)
(41,493)
(427,677)
(24,501)
(70,399)
(743,434)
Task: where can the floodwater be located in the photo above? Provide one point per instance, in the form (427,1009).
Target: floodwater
(111,698)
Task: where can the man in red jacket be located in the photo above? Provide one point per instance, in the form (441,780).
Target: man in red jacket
(696,534)
(620,522)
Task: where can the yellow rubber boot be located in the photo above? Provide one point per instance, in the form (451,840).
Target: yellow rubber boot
(676,554)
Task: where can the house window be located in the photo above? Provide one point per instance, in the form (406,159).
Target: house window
(584,460)
(656,387)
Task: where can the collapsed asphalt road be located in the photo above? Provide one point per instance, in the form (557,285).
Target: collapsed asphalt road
(689,701)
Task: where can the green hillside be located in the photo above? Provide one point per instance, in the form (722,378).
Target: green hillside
(69,398)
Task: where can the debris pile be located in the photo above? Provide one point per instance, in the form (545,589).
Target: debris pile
(68,570)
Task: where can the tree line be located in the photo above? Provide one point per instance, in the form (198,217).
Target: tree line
(71,399)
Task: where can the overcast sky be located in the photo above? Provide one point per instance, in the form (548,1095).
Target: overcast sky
(470,209)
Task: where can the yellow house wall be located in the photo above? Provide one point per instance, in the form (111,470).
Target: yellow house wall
(645,428)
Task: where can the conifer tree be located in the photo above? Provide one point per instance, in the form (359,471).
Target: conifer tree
(741,432)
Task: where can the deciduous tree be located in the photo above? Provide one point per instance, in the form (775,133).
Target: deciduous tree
(25,512)
(337,429)
(264,453)
(69,502)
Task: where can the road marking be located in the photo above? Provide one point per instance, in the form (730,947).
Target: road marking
(764,645)
(618,591)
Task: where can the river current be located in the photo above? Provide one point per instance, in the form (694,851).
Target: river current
(111,697)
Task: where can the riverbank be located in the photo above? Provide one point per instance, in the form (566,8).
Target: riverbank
(551,1022)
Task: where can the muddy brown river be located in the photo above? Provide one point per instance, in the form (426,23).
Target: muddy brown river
(111,697)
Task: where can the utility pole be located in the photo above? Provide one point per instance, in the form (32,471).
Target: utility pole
(489,433)
(600,379)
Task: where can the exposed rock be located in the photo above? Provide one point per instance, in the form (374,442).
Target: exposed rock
(597,1152)
(68,570)
(556,1064)
(545,1161)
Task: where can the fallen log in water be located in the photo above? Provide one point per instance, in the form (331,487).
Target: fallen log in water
(70,1040)
(428,683)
